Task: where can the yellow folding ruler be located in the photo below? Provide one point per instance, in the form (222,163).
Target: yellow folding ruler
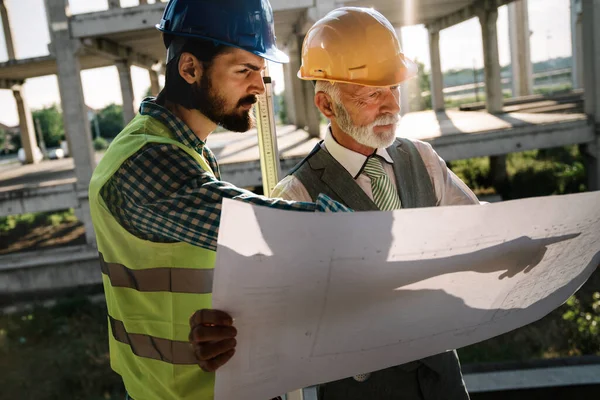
(267,137)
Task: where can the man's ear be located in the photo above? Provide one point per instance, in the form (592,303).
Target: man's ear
(190,69)
(325,105)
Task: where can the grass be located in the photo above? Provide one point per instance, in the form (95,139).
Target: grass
(57,353)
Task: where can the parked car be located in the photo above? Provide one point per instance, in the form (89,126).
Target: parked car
(37,155)
(56,154)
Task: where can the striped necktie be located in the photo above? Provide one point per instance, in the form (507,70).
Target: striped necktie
(385,194)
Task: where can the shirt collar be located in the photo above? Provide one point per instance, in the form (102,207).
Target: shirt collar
(182,132)
(352,161)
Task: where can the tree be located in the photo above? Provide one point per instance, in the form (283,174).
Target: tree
(110,120)
(51,124)
(4,142)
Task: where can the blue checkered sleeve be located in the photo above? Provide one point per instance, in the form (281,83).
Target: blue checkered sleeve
(162,194)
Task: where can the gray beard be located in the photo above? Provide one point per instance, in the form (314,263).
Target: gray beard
(365,134)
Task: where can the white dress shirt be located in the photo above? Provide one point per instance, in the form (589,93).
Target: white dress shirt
(449,189)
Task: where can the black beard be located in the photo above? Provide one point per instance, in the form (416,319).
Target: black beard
(206,100)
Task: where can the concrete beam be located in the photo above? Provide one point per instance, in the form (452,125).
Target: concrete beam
(46,270)
(437,78)
(248,174)
(116,20)
(10,84)
(45,65)
(39,199)
(124,68)
(119,20)
(73,105)
(520,50)
(465,14)
(283,5)
(8,37)
(114,51)
(513,380)
(519,138)
(491,59)
(28,140)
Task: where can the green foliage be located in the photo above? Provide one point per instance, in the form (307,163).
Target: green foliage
(26,222)
(4,141)
(110,120)
(57,353)
(100,144)
(553,89)
(473,171)
(545,172)
(582,324)
(531,173)
(51,124)
(283,114)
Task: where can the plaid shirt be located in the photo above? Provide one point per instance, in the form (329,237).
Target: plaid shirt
(162,194)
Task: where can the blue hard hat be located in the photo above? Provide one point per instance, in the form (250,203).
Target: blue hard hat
(245,24)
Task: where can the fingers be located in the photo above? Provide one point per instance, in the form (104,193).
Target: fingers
(217,362)
(201,333)
(213,338)
(208,351)
(210,317)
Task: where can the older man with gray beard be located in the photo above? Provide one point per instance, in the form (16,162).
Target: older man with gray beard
(355,58)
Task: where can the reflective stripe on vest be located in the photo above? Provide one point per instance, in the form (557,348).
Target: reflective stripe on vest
(177,280)
(169,351)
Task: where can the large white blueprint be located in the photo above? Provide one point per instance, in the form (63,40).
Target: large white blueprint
(324,296)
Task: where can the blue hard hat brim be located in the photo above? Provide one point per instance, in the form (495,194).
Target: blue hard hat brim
(273,54)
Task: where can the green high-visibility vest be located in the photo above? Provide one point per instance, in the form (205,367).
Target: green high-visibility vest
(151,289)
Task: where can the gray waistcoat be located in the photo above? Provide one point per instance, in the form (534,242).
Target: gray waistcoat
(433,378)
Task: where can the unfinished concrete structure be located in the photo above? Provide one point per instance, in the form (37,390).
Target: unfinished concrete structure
(126,36)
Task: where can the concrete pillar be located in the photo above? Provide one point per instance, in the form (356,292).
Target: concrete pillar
(114,4)
(154,82)
(491,60)
(8,38)
(591,58)
(576,44)
(28,140)
(313,115)
(124,68)
(294,88)
(520,50)
(76,123)
(404,87)
(290,100)
(437,78)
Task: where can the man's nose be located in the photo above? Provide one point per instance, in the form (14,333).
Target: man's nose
(257,87)
(391,102)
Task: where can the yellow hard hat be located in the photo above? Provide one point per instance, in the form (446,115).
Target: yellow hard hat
(355,45)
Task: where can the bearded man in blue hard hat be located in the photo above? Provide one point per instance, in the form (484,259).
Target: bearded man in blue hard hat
(156,198)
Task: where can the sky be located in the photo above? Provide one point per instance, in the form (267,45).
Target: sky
(460,47)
